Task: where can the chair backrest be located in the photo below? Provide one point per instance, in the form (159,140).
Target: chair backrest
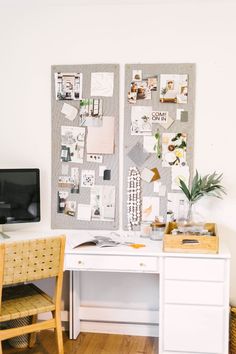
(32,259)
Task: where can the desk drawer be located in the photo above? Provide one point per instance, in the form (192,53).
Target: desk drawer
(194,269)
(194,292)
(112,263)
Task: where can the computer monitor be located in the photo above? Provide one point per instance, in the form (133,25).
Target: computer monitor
(19,196)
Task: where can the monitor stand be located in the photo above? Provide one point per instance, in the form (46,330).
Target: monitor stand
(2,234)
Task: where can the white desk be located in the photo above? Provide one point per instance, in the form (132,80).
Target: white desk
(194,292)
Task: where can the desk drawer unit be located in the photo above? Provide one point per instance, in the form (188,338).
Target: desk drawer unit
(195,305)
(112,263)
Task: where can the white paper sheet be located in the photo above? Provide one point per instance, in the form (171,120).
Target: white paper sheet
(103,202)
(149,143)
(100,140)
(69,111)
(84,212)
(150,208)
(102,84)
(141,120)
(178,173)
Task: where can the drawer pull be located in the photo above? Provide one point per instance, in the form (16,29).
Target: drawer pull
(190,241)
(80,262)
(142,264)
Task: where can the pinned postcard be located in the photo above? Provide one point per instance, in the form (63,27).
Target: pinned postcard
(141,120)
(137,75)
(90,114)
(62,197)
(72,144)
(168,123)
(149,143)
(102,84)
(68,86)
(150,208)
(65,182)
(84,212)
(103,202)
(159,116)
(94,158)
(101,170)
(147,175)
(177,206)
(87,178)
(174,88)
(64,169)
(156,186)
(69,111)
(100,140)
(174,149)
(70,207)
(162,190)
(137,155)
(178,113)
(177,173)
(152,83)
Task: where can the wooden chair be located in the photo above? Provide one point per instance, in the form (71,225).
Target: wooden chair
(22,262)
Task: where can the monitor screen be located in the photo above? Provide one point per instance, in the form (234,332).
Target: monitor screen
(19,195)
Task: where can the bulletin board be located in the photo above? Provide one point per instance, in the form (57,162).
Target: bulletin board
(149,86)
(85,96)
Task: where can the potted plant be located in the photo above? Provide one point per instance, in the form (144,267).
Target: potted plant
(208,185)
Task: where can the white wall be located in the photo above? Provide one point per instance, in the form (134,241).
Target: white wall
(37,34)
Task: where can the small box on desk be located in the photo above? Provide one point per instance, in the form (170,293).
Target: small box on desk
(189,243)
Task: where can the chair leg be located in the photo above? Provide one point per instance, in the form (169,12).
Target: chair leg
(32,336)
(0,347)
(58,330)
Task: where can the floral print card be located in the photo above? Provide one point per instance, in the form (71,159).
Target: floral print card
(174,149)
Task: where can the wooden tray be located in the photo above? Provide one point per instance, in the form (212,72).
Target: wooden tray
(187,243)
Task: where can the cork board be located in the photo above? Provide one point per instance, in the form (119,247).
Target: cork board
(185,125)
(110,107)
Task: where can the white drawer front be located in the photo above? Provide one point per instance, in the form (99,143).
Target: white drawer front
(116,263)
(194,269)
(194,292)
(193,329)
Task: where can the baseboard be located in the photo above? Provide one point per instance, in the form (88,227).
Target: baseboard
(132,329)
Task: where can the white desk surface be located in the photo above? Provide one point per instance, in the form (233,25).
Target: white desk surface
(152,248)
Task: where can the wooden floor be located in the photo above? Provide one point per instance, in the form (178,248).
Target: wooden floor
(90,343)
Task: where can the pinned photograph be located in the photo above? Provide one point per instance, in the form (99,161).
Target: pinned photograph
(70,207)
(150,208)
(103,202)
(102,84)
(75,177)
(87,178)
(152,83)
(62,197)
(137,75)
(132,97)
(177,173)
(174,88)
(174,149)
(177,206)
(143,92)
(90,114)
(72,144)
(68,86)
(141,120)
(65,182)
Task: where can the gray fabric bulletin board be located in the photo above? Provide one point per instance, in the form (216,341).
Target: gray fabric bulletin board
(111,161)
(155,70)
